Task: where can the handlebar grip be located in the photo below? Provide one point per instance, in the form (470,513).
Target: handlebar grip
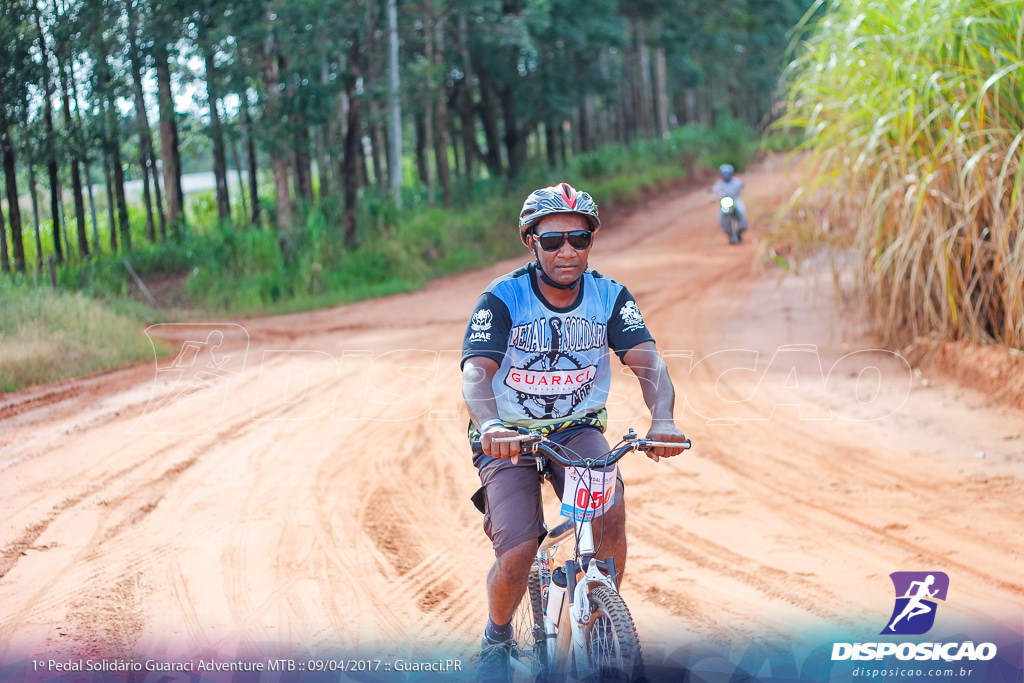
(685,445)
(478,448)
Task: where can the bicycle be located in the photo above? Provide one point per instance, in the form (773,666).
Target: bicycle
(591,635)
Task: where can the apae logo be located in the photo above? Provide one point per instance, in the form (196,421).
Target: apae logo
(916,596)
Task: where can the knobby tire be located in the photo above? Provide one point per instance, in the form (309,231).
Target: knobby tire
(612,642)
(530,647)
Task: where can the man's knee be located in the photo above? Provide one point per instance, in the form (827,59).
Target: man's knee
(516,561)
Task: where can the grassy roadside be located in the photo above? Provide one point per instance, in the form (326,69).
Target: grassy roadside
(47,335)
(91,323)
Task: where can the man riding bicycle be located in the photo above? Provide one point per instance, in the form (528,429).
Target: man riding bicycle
(536,355)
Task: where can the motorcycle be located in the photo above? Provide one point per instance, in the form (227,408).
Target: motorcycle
(730,219)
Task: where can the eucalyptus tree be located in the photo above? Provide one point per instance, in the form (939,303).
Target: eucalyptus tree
(163,31)
(102,23)
(43,41)
(209,25)
(134,12)
(65,30)
(17,71)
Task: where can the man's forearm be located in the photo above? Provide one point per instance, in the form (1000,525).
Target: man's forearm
(476,390)
(659,394)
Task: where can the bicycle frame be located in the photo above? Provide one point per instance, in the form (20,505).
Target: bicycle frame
(596,572)
(562,648)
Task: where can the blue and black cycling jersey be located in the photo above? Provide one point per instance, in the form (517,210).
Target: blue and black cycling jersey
(554,368)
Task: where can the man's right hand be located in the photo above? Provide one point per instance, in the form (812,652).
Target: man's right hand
(500,449)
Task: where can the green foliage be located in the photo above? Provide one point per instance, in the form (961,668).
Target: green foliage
(105,274)
(913,113)
(399,250)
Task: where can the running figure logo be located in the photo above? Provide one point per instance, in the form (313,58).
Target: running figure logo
(201,368)
(916,595)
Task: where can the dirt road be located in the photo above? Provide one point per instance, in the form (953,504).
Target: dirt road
(300,484)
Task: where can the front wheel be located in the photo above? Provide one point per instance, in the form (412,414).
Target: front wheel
(529,648)
(733,222)
(612,643)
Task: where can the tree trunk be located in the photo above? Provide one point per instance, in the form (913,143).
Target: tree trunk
(338,129)
(563,153)
(51,155)
(454,138)
(428,113)
(690,105)
(108,180)
(303,174)
(352,151)
(236,161)
(114,145)
(13,210)
(577,127)
(661,86)
(86,162)
(627,126)
(441,138)
(278,157)
(488,109)
(145,144)
(92,207)
(645,92)
(35,215)
(170,155)
(285,208)
(76,174)
(324,134)
(5,259)
(250,159)
(395,107)
(380,177)
(608,118)
(585,125)
(469,146)
(515,140)
(157,192)
(419,129)
(551,144)
(220,163)
(63,220)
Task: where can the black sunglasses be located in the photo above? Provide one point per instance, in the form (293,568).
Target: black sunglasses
(553,241)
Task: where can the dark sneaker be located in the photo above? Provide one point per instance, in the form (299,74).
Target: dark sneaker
(493,664)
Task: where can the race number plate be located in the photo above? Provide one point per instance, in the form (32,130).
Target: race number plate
(588,493)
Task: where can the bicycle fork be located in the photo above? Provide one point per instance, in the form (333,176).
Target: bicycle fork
(597,572)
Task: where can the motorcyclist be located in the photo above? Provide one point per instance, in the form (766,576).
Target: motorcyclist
(728,185)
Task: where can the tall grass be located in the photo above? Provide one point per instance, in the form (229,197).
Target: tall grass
(47,335)
(913,112)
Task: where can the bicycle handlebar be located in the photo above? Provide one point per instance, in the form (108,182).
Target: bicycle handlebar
(534,441)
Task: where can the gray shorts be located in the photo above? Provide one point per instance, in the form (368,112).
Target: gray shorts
(513,512)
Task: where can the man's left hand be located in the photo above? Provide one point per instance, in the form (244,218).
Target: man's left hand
(668,432)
